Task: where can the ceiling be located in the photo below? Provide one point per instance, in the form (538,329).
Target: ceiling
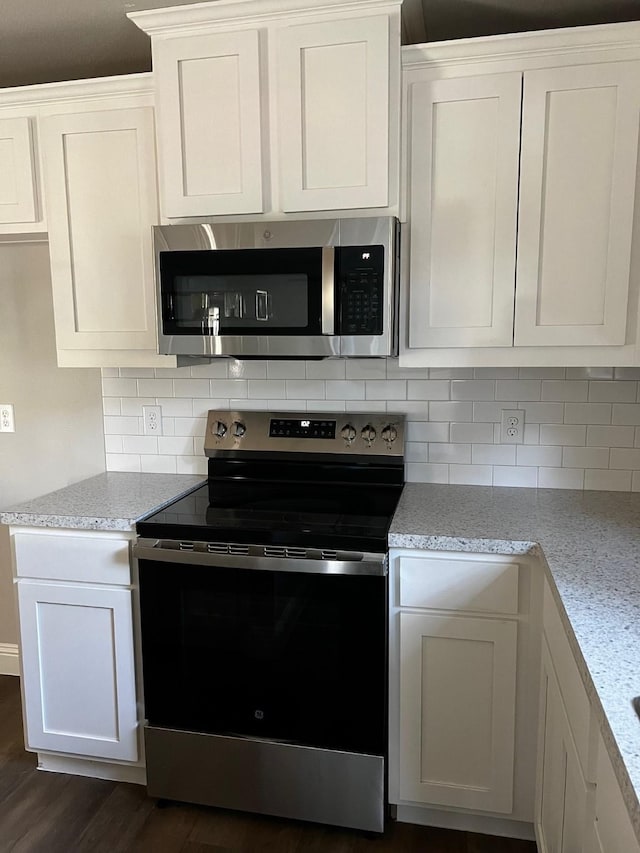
(44,41)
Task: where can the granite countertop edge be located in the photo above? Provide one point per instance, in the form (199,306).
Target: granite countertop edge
(619,725)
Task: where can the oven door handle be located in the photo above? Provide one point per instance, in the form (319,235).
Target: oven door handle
(362,564)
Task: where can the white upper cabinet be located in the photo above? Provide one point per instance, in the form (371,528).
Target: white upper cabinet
(100,183)
(276,106)
(20,208)
(209,123)
(465,142)
(522,223)
(333,114)
(577,188)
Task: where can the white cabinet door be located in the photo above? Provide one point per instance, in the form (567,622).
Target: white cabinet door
(18,196)
(457,711)
(333,114)
(611,830)
(102,201)
(77,669)
(463,179)
(563,792)
(577,187)
(209,123)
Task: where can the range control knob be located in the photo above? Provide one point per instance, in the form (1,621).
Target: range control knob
(238,429)
(389,434)
(348,432)
(219,429)
(368,434)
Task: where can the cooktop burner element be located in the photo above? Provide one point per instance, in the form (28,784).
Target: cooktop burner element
(314,480)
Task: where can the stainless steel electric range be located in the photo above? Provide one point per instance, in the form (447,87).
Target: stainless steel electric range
(263,604)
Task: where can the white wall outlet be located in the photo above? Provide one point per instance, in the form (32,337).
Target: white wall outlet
(512,426)
(152,416)
(7,422)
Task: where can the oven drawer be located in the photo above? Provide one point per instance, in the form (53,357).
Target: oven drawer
(444,582)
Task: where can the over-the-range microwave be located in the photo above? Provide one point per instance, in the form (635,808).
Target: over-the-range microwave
(294,289)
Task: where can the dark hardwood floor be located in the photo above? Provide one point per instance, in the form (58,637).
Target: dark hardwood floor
(54,813)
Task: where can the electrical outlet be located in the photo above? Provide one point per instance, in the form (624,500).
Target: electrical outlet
(7,422)
(152,416)
(512,426)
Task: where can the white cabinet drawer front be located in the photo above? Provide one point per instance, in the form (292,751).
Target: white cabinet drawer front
(333,128)
(579,160)
(17,177)
(571,687)
(72,558)
(459,584)
(457,718)
(463,160)
(209,123)
(77,669)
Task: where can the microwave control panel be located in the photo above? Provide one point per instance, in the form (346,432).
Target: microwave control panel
(361,275)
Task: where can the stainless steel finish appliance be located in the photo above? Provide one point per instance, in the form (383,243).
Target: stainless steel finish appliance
(263,604)
(294,289)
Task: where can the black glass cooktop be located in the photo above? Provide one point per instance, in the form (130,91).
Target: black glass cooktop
(316,515)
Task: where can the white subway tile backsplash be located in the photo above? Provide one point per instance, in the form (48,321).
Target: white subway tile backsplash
(565,391)
(626,414)
(518,389)
(386,389)
(563,434)
(617,481)
(538,456)
(428,389)
(576,420)
(154,388)
(366,368)
(585,457)
(610,436)
(450,453)
(450,411)
(560,478)
(478,433)
(513,475)
(417,472)
(473,389)
(349,389)
(471,475)
(587,413)
(493,454)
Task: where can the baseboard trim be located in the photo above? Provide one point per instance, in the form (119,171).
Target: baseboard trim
(9,659)
(482,824)
(93,769)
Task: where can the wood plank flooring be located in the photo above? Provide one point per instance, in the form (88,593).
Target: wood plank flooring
(54,813)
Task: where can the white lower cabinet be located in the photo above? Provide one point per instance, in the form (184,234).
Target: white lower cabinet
(76,644)
(461,674)
(609,829)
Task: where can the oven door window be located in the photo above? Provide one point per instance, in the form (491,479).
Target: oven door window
(290,657)
(242,292)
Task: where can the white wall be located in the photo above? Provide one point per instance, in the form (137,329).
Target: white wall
(582,424)
(58,411)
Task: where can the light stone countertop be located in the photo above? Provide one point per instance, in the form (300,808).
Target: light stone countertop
(590,545)
(111,501)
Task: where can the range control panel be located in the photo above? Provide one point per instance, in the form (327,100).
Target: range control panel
(294,432)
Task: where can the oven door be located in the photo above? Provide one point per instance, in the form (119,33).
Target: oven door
(290,657)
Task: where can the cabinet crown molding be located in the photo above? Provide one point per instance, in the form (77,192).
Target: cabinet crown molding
(177,19)
(520,46)
(98,87)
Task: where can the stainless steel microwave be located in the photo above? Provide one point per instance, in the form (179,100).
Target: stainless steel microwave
(294,289)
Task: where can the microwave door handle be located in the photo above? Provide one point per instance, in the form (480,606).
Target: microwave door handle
(328,290)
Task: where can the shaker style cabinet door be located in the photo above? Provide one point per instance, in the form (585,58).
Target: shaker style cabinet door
(577,188)
(18,198)
(209,124)
(101,199)
(333,114)
(457,711)
(463,176)
(77,669)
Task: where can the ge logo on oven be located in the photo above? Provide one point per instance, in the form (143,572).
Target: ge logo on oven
(258,714)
